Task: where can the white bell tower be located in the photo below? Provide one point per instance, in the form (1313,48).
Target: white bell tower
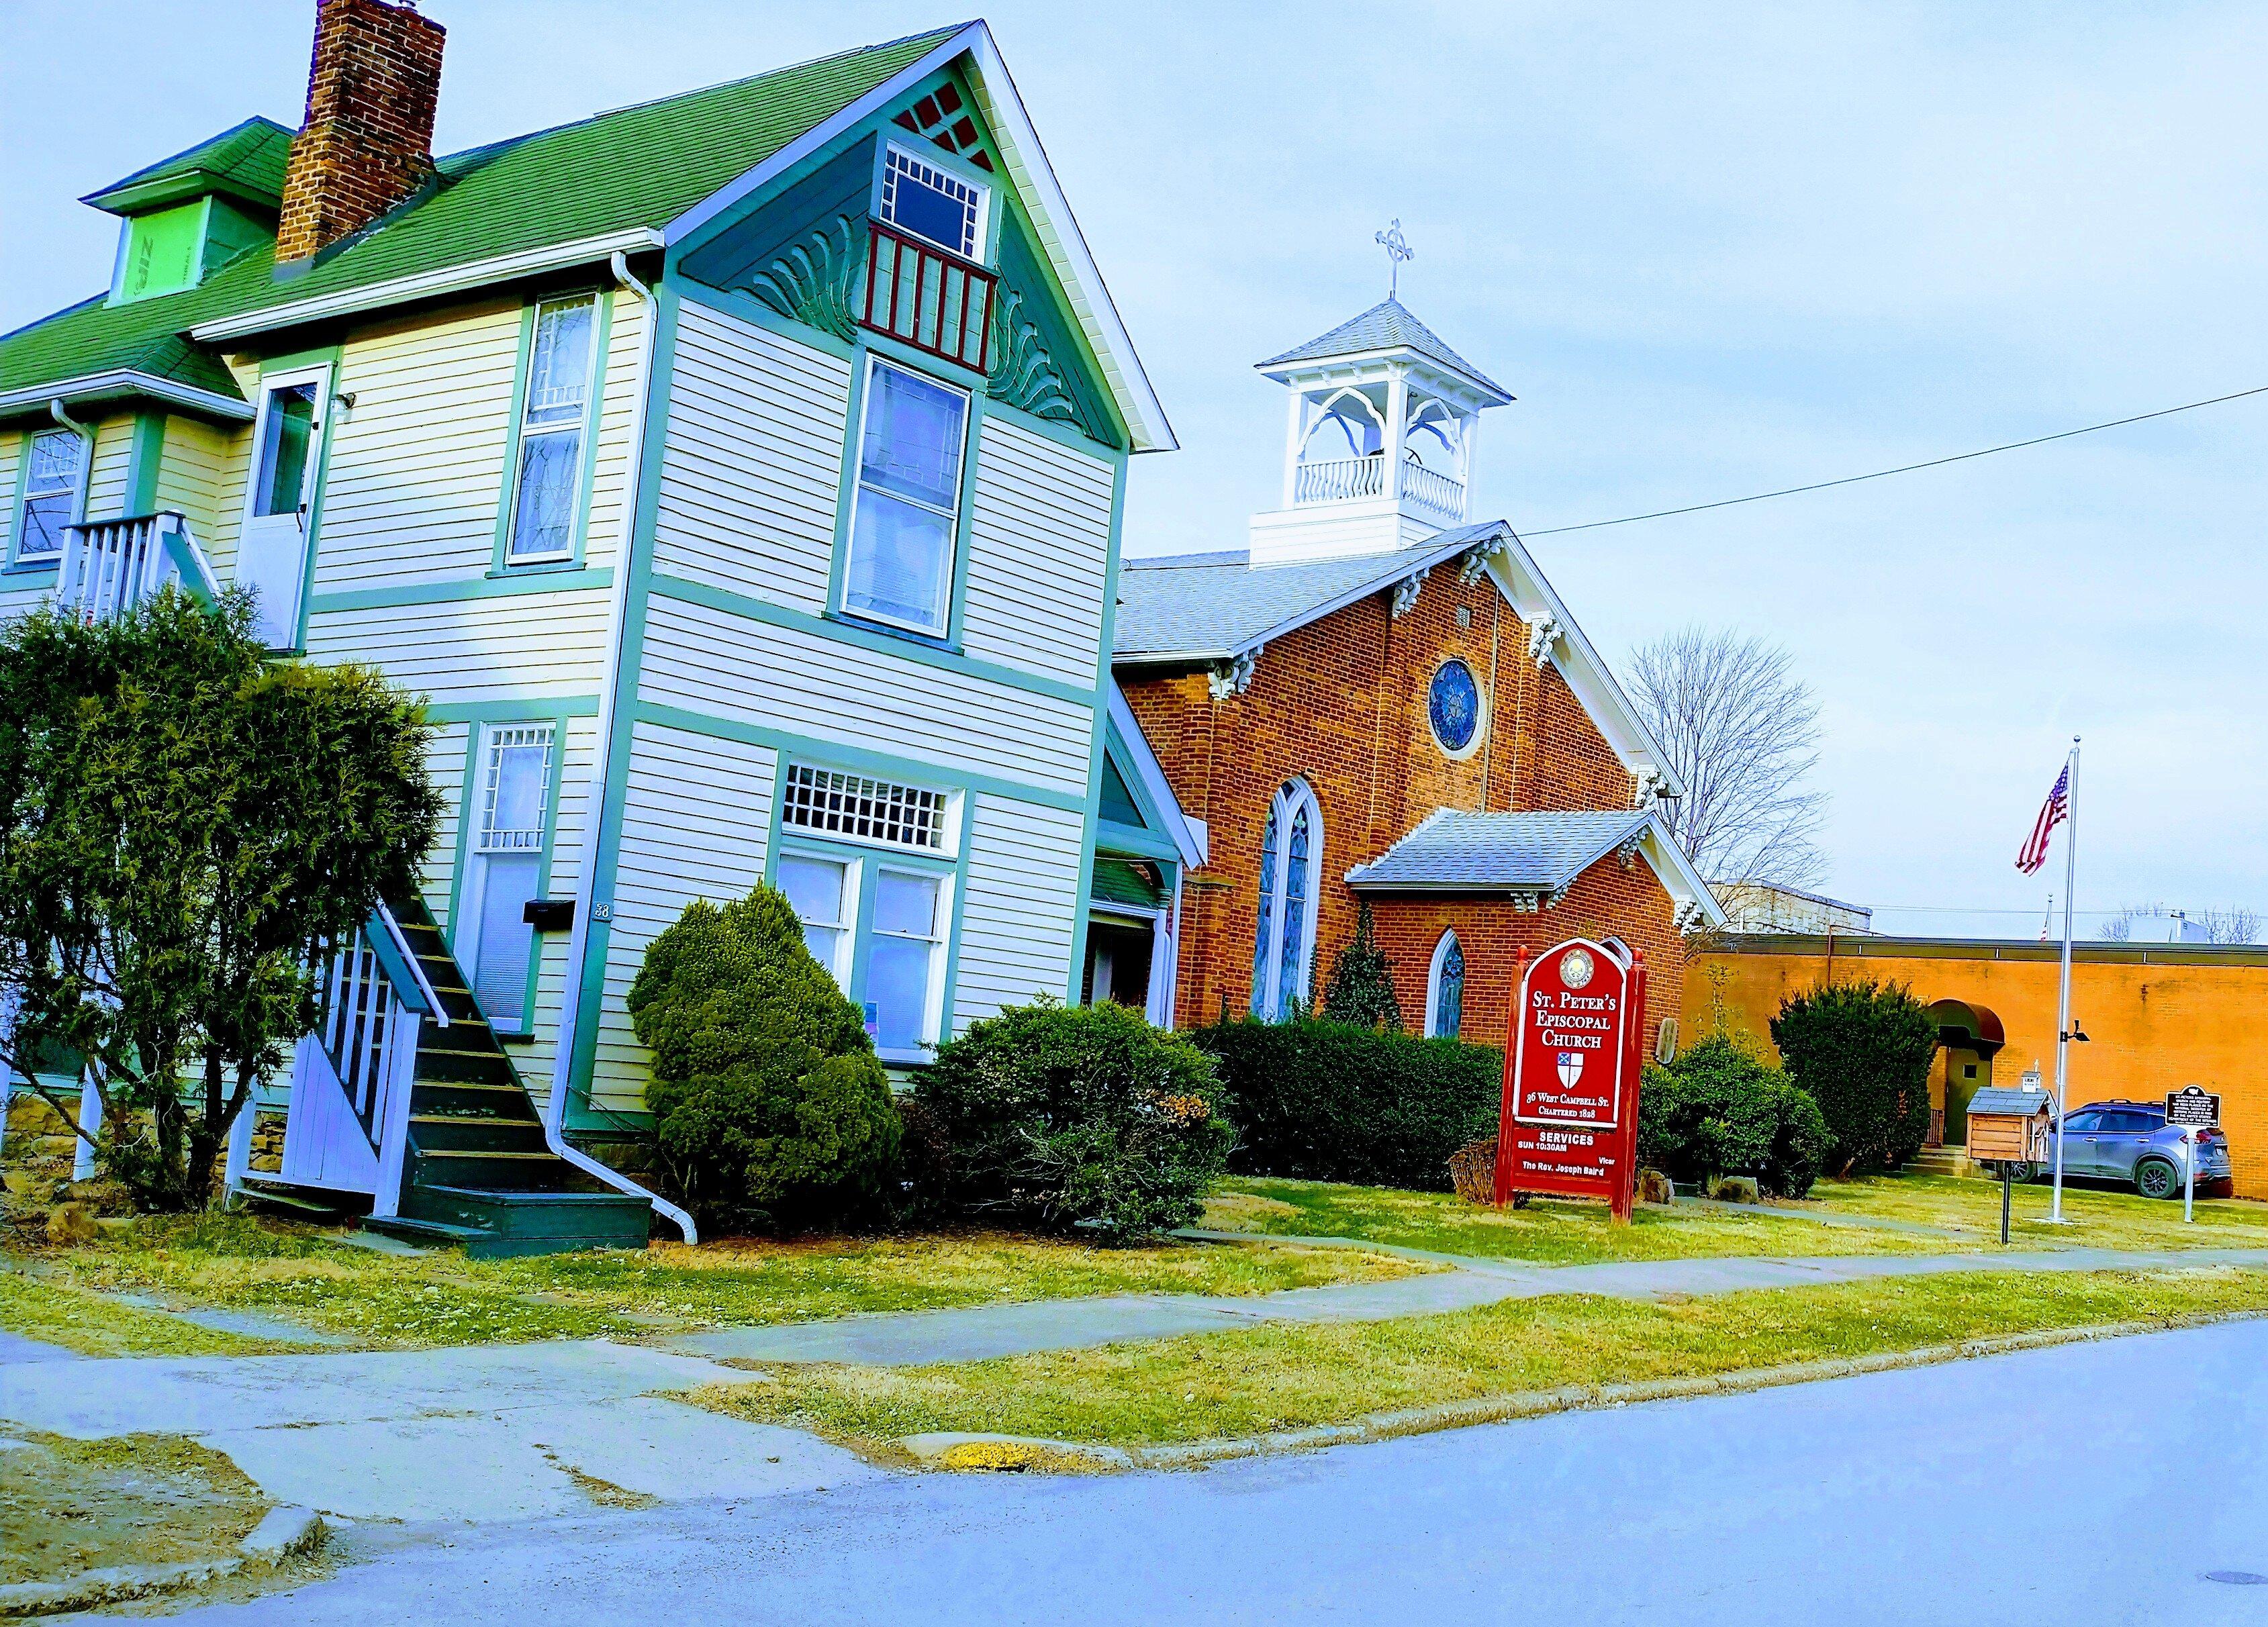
(1378,451)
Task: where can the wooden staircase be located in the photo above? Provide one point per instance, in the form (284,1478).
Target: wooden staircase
(477,1171)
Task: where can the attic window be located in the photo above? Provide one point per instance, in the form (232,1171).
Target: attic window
(920,198)
(161,251)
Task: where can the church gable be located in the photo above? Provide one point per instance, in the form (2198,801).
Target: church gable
(911,228)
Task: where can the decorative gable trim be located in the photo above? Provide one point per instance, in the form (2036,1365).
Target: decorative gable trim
(1188,835)
(1061,246)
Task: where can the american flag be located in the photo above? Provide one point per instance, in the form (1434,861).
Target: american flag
(2052,812)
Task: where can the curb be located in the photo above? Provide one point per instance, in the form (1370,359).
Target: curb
(1569,1398)
(282,1533)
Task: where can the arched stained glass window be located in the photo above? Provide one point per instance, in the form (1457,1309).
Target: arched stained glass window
(1283,936)
(1445,990)
(1261,938)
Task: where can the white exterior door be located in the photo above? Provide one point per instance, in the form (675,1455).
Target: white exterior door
(495,942)
(272,553)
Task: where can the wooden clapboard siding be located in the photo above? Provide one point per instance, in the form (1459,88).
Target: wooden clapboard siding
(105,481)
(444,762)
(533,646)
(578,756)
(192,477)
(730,666)
(752,465)
(1017,913)
(618,396)
(417,469)
(696,813)
(1039,549)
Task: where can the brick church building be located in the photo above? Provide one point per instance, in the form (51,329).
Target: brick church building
(1380,700)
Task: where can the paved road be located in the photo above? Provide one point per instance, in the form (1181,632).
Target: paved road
(2087,1483)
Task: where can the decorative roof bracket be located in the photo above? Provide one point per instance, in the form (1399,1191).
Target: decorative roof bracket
(1233,676)
(1690,919)
(1542,634)
(1473,563)
(1405,592)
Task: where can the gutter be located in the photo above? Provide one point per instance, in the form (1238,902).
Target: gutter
(587,876)
(124,382)
(85,433)
(427,285)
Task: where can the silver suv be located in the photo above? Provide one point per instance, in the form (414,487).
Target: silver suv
(2131,1141)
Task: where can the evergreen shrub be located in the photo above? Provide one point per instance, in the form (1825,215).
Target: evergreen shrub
(770,1109)
(1863,1050)
(1324,1100)
(1721,1109)
(1079,1116)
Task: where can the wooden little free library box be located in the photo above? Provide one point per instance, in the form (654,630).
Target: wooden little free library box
(2011,1126)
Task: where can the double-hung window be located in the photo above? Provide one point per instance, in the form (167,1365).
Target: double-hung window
(906,514)
(51,481)
(547,485)
(865,867)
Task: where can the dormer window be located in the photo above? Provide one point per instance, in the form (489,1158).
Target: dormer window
(919,197)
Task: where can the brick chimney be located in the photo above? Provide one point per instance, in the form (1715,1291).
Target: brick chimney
(367,142)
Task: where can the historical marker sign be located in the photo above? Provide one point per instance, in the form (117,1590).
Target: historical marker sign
(2194,1108)
(1569,1122)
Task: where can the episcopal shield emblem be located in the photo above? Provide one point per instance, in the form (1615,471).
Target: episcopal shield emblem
(1575,971)
(1571,1069)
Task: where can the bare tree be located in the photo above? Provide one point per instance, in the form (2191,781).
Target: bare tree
(1742,733)
(2235,926)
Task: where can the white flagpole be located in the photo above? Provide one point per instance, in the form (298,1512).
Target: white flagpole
(2063,996)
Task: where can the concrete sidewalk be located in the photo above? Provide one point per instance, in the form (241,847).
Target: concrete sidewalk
(475,1433)
(914,1338)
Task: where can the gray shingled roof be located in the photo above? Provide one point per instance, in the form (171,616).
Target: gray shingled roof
(1998,1098)
(1198,606)
(1452,851)
(1386,326)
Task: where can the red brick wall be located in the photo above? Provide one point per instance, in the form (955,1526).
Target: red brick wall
(1342,704)
(367,141)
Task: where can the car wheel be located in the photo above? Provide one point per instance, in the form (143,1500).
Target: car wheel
(2154,1177)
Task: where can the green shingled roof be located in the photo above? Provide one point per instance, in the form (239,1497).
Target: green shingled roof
(246,161)
(637,166)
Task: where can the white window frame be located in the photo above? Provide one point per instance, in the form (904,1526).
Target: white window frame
(1448,940)
(846,949)
(943,629)
(306,511)
(529,433)
(941,928)
(74,488)
(977,226)
(481,847)
(1294,795)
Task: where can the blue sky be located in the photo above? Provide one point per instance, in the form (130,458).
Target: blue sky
(1713,251)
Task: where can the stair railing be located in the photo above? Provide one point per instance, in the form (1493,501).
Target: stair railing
(110,566)
(373,995)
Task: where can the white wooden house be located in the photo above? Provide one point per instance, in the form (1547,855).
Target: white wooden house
(739,475)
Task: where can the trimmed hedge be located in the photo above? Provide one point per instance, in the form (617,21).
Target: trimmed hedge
(1321,1101)
(1863,1050)
(1086,1116)
(770,1110)
(1720,1111)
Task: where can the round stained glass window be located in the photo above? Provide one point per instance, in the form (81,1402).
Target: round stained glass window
(1454,706)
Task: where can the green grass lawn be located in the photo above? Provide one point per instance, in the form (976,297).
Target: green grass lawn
(308,1276)
(95,1326)
(1546,1232)
(2100,1219)
(1235,1385)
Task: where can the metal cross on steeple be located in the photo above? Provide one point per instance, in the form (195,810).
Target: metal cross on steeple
(1397,250)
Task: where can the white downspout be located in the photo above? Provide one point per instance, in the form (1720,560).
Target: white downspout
(586,881)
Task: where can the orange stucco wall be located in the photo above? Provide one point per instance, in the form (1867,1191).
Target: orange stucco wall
(2156,1018)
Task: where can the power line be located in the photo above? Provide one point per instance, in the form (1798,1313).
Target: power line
(1904,469)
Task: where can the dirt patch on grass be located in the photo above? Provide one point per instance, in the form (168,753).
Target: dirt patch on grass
(1226,1211)
(71,1505)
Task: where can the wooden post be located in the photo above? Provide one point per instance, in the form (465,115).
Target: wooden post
(1504,1109)
(1625,1198)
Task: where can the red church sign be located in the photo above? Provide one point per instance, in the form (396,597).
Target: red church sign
(1569,1123)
